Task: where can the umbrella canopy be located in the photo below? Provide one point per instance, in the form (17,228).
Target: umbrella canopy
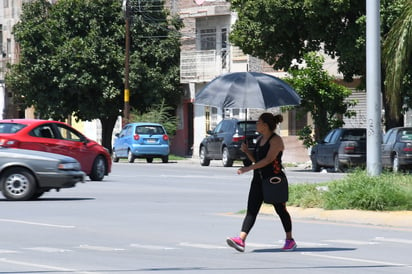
(247,90)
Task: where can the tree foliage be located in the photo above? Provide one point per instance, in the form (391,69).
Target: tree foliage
(320,95)
(397,56)
(159,113)
(279,31)
(72,59)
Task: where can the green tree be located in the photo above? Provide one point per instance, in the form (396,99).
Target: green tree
(321,96)
(397,57)
(159,113)
(279,31)
(72,60)
(155,55)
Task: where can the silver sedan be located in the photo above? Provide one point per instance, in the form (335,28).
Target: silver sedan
(27,174)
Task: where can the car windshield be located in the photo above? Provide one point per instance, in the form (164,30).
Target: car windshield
(150,130)
(11,127)
(250,127)
(406,135)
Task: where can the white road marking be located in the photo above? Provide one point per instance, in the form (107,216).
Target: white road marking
(5,251)
(43,266)
(205,246)
(393,240)
(153,247)
(35,223)
(48,249)
(353,259)
(100,248)
(352,242)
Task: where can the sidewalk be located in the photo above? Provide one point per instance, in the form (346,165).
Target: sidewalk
(387,218)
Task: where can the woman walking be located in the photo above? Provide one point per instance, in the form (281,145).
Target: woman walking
(267,159)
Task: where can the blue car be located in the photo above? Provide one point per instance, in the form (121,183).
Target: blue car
(141,140)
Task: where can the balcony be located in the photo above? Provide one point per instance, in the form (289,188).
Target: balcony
(202,65)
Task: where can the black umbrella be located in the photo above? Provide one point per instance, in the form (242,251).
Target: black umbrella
(247,90)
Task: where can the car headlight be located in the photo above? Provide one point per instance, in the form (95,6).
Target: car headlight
(69,166)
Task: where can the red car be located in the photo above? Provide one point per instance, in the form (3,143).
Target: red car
(57,137)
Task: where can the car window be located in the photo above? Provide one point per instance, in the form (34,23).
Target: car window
(67,133)
(150,130)
(227,126)
(218,128)
(405,135)
(328,137)
(354,135)
(43,131)
(391,138)
(11,127)
(250,127)
(124,131)
(386,136)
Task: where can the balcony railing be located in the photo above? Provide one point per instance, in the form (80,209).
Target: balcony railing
(202,65)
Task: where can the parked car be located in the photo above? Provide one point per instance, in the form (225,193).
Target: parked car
(224,142)
(57,137)
(141,140)
(27,174)
(340,149)
(397,149)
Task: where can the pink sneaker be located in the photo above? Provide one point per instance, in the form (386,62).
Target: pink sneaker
(237,243)
(290,245)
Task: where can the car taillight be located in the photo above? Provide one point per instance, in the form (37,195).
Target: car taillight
(408,147)
(9,143)
(349,149)
(238,138)
(165,137)
(136,137)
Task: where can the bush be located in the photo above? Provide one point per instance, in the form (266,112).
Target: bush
(389,191)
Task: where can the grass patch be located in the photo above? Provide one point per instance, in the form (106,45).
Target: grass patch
(389,191)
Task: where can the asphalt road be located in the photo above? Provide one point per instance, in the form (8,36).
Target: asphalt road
(174,218)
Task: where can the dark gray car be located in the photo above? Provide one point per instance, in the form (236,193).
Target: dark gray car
(397,149)
(340,149)
(27,174)
(223,143)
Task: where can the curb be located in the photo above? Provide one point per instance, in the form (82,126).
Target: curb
(401,219)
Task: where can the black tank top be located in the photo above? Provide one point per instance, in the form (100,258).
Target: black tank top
(273,168)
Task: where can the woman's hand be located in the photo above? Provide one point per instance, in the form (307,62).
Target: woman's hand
(243,170)
(244,148)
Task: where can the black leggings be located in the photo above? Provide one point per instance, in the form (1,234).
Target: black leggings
(255,201)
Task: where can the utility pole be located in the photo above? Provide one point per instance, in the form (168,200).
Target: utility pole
(126,112)
(373,88)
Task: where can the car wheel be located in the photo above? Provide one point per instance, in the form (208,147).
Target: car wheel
(98,169)
(114,157)
(226,160)
(204,161)
(37,195)
(247,162)
(130,156)
(395,163)
(315,166)
(165,159)
(336,164)
(18,184)
(149,160)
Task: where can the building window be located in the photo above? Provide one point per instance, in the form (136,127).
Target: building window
(208,39)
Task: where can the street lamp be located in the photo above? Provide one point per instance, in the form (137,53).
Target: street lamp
(126,113)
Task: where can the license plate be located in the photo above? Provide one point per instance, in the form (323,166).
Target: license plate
(151,140)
